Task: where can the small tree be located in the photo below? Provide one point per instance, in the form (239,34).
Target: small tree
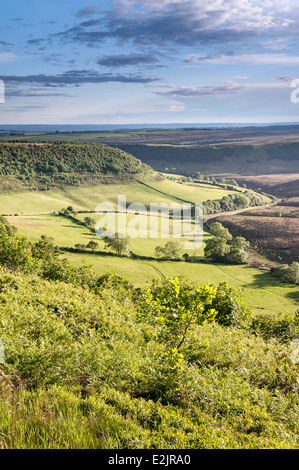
(216,249)
(92,245)
(121,245)
(45,248)
(89,222)
(171,250)
(80,246)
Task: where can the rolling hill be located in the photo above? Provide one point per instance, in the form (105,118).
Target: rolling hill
(45,165)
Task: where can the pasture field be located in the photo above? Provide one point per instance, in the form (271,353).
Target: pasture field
(263,293)
(87,198)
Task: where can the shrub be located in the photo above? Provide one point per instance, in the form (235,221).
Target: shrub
(284,327)
(230,307)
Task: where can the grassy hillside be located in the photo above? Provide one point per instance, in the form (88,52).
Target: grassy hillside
(96,370)
(88,197)
(244,151)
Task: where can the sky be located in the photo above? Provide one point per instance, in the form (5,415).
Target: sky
(149,61)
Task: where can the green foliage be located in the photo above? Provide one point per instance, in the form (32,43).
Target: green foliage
(48,164)
(15,251)
(45,249)
(216,249)
(230,307)
(224,248)
(41,258)
(219,231)
(119,244)
(92,245)
(285,327)
(289,273)
(174,306)
(89,222)
(171,250)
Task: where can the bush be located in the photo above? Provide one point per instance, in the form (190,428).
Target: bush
(231,309)
(284,327)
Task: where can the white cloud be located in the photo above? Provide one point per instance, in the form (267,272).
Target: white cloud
(241,14)
(250,59)
(6,57)
(176,91)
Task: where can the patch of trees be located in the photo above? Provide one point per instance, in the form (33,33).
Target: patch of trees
(232,202)
(65,163)
(223,247)
(289,273)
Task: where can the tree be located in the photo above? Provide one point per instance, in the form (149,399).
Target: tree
(159,251)
(236,256)
(286,272)
(219,231)
(92,245)
(239,243)
(15,251)
(118,244)
(174,306)
(45,248)
(89,222)
(230,307)
(241,201)
(293,273)
(216,249)
(80,246)
(171,250)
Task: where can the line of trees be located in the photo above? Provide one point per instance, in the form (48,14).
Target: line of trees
(232,202)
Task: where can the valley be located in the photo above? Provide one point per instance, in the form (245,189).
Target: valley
(145,348)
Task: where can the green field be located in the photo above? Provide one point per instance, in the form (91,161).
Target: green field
(87,198)
(263,293)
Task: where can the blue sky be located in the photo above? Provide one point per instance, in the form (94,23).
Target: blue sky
(148,61)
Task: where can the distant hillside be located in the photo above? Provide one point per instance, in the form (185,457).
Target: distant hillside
(44,165)
(246,159)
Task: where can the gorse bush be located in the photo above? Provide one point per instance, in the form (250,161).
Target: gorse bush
(284,327)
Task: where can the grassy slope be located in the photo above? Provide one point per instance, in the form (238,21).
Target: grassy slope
(262,292)
(87,198)
(82,371)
